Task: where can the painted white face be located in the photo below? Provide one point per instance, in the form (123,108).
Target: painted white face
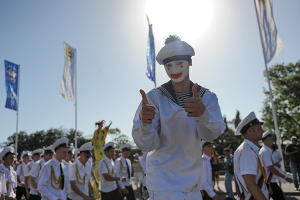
(177,70)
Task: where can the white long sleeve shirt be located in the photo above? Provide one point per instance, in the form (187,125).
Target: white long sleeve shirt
(174,141)
(47,186)
(206,182)
(121,171)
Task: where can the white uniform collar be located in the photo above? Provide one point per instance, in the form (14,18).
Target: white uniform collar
(80,164)
(268,148)
(206,157)
(252,145)
(107,158)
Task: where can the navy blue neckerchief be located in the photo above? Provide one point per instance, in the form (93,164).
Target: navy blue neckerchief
(168,91)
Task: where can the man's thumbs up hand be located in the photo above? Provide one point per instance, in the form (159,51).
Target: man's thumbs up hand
(148,111)
(194,105)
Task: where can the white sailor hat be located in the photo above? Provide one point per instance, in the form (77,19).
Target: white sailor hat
(25,153)
(71,149)
(60,142)
(86,147)
(135,155)
(266,134)
(5,151)
(109,144)
(38,151)
(175,50)
(246,123)
(48,149)
(125,147)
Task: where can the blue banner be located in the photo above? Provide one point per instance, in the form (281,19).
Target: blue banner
(150,55)
(11,83)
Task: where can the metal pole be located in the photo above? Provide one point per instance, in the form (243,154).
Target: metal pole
(17,125)
(278,137)
(76,99)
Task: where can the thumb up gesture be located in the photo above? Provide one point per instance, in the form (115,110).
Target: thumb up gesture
(194,105)
(148,111)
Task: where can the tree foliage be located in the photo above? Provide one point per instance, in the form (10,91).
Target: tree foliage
(40,139)
(228,138)
(285,80)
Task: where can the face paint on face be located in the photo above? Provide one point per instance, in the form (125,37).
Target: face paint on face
(177,70)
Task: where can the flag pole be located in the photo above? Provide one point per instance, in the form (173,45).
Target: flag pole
(75,100)
(17,123)
(278,137)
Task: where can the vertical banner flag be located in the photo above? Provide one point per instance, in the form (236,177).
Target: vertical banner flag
(150,54)
(271,42)
(67,87)
(11,83)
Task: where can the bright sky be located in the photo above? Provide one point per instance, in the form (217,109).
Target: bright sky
(111,36)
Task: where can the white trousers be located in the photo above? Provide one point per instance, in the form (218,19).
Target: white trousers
(138,178)
(154,195)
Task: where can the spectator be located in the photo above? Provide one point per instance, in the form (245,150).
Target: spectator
(228,163)
(293,151)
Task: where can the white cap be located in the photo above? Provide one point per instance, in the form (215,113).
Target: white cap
(175,50)
(49,148)
(59,142)
(39,151)
(86,147)
(136,154)
(125,146)
(6,150)
(72,149)
(25,153)
(246,123)
(109,144)
(266,134)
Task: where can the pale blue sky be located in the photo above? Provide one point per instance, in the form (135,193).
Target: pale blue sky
(110,37)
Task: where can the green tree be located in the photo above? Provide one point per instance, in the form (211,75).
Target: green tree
(227,138)
(285,80)
(40,139)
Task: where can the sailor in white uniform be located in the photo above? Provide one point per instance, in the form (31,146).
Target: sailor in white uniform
(21,191)
(2,184)
(250,175)
(52,184)
(33,174)
(109,186)
(8,155)
(124,170)
(171,122)
(80,174)
(68,160)
(266,155)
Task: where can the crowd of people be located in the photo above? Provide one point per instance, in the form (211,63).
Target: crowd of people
(173,127)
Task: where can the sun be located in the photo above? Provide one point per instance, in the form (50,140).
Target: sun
(189,19)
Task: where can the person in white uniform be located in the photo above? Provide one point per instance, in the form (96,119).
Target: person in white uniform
(68,160)
(21,191)
(7,156)
(80,175)
(33,174)
(109,186)
(206,183)
(52,184)
(171,122)
(266,155)
(2,184)
(250,175)
(124,170)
